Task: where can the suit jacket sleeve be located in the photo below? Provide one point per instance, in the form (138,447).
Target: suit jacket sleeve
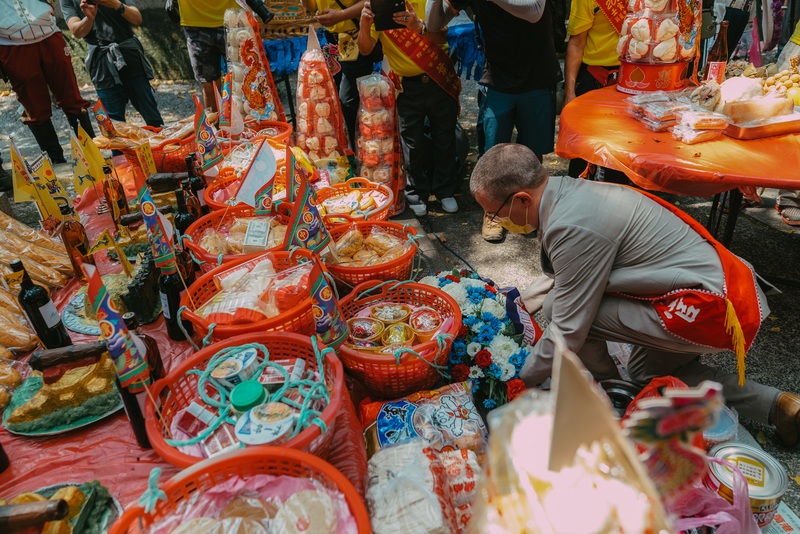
(581,261)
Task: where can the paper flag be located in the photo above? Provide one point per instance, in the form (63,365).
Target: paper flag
(14,278)
(44,170)
(260,174)
(230,118)
(29,187)
(81,171)
(163,255)
(104,241)
(144,154)
(123,260)
(305,228)
(103,120)
(93,156)
(207,148)
(130,362)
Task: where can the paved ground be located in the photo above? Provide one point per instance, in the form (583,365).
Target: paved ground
(760,237)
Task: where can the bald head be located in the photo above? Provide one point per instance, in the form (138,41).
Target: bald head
(505,169)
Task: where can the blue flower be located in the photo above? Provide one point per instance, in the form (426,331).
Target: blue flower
(494,371)
(459,347)
(444,281)
(489,403)
(476,294)
(485,334)
(454,358)
(475,385)
(470,321)
(518,359)
(493,322)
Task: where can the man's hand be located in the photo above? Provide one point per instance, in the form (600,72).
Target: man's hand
(90,10)
(367,16)
(329,17)
(409,19)
(113,4)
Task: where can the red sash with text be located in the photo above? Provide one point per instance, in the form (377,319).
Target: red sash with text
(728,321)
(429,57)
(615,11)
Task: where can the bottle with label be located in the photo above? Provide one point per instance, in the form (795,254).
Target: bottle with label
(171,290)
(134,408)
(114,192)
(718,56)
(197,184)
(76,242)
(154,362)
(183,220)
(192,204)
(40,311)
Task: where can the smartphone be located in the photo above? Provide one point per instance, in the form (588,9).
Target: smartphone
(384,11)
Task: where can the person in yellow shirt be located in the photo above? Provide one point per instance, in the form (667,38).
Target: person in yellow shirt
(788,204)
(341,21)
(426,94)
(205,38)
(592,43)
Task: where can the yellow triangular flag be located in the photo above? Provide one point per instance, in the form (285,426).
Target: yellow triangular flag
(14,278)
(94,158)
(47,174)
(80,166)
(123,260)
(104,241)
(44,196)
(23,184)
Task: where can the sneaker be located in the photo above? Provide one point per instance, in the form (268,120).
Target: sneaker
(492,231)
(789,214)
(419,209)
(449,205)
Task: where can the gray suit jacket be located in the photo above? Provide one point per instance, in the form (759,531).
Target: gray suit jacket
(600,238)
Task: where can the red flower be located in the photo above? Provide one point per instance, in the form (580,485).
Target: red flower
(459,372)
(452,278)
(516,387)
(483,358)
(490,289)
(463,331)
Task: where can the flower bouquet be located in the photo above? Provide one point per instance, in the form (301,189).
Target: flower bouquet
(495,338)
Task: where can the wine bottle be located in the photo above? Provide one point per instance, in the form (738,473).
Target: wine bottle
(76,242)
(154,362)
(40,311)
(134,409)
(197,183)
(718,56)
(164,182)
(191,201)
(171,290)
(117,192)
(183,219)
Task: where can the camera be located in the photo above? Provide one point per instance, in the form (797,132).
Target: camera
(460,4)
(260,9)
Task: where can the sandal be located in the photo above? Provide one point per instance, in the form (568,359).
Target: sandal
(789,214)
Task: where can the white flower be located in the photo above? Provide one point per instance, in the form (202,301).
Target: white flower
(430,281)
(501,299)
(475,372)
(473,348)
(507,372)
(491,306)
(502,348)
(469,309)
(458,293)
(476,327)
(469,282)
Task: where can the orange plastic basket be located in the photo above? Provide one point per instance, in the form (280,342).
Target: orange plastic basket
(182,388)
(399,269)
(245,463)
(284,129)
(194,235)
(299,319)
(380,373)
(381,213)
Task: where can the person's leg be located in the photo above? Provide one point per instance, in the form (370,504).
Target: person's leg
(498,121)
(60,76)
(536,120)
(442,112)
(140,93)
(479,124)
(206,47)
(411,122)
(114,99)
(348,92)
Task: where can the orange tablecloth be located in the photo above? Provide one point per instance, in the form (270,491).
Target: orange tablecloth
(595,127)
(107,450)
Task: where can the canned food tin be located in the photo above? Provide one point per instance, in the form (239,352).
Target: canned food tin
(236,368)
(766,479)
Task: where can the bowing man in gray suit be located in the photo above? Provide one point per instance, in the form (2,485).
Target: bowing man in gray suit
(622,265)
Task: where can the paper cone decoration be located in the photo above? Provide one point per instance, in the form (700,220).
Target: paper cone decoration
(130,362)
(29,187)
(163,255)
(207,148)
(82,170)
(103,120)
(230,119)
(258,82)
(259,175)
(305,225)
(331,327)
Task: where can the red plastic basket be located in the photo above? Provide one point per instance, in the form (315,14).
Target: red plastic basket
(299,319)
(381,213)
(182,388)
(245,463)
(380,373)
(206,260)
(399,269)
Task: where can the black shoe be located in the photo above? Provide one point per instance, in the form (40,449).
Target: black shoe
(6,183)
(83,119)
(47,138)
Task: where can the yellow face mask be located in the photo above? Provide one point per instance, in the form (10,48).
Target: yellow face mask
(513,227)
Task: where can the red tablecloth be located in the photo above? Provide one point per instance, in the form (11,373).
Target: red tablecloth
(107,450)
(595,127)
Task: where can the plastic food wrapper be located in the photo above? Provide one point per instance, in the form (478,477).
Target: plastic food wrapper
(656,126)
(320,126)
(9,224)
(38,272)
(15,334)
(445,417)
(258,505)
(663,111)
(12,374)
(691,136)
(702,120)
(48,258)
(378,247)
(230,237)
(352,203)
(646,98)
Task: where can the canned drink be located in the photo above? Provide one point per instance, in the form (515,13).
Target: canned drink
(766,478)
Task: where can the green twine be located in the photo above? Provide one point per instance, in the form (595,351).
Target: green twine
(441,341)
(153,493)
(198,262)
(185,333)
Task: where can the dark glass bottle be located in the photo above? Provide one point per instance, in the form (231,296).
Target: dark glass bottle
(718,56)
(134,409)
(4,461)
(40,311)
(183,219)
(192,204)
(154,362)
(76,242)
(197,183)
(171,289)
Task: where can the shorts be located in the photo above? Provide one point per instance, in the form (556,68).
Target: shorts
(206,50)
(533,113)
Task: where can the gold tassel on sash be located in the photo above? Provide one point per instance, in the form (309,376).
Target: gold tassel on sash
(734,328)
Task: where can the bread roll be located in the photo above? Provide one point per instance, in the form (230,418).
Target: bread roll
(9,301)
(9,376)
(12,225)
(48,258)
(6,354)
(37,271)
